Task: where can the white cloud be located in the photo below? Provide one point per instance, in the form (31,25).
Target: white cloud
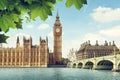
(69,44)
(22,34)
(11,42)
(112,32)
(29,26)
(93,37)
(106,14)
(102,35)
(43,26)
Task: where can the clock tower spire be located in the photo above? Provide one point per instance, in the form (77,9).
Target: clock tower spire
(57,22)
(57,33)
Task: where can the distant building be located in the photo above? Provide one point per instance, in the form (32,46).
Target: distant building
(89,51)
(34,55)
(72,55)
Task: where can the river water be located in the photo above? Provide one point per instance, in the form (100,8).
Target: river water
(56,74)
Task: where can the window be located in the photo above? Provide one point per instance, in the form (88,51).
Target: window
(4,59)
(0,59)
(17,59)
(9,60)
(13,59)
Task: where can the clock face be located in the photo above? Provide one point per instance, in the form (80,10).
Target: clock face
(57,30)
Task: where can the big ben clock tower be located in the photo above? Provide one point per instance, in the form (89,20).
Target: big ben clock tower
(57,32)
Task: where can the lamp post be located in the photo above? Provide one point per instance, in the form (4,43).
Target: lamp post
(114,52)
(94,55)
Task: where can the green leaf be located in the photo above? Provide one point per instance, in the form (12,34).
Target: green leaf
(19,24)
(84,1)
(50,5)
(28,1)
(3,38)
(14,17)
(11,7)
(60,0)
(2,4)
(3,25)
(69,3)
(52,1)
(35,11)
(11,4)
(42,12)
(22,9)
(78,4)
(8,21)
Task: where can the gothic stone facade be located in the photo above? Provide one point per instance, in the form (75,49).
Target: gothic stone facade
(33,56)
(90,51)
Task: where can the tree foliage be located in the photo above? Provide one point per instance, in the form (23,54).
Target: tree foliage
(12,12)
(77,3)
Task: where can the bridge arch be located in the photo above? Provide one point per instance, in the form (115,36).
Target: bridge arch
(88,65)
(80,64)
(105,60)
(74,65)
(104,65)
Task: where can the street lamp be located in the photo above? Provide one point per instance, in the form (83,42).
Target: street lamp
(114,52)
(94,55)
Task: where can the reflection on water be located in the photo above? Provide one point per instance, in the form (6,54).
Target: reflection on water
(56,74)
(115,73)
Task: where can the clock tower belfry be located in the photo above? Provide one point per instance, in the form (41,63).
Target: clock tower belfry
(57,33)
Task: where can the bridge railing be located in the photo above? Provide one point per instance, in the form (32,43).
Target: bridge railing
(97,57)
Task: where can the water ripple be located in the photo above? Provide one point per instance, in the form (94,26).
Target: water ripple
(56,74)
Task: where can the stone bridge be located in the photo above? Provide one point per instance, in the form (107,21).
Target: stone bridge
(110,62)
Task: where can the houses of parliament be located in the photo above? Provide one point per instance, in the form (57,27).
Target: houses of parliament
(34,56)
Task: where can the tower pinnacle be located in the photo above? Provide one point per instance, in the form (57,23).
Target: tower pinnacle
(17,39)
(57,22)
(57,14)
(17,43)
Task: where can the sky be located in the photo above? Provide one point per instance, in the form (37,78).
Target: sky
(98,20)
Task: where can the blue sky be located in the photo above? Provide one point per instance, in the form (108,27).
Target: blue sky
(98,20)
